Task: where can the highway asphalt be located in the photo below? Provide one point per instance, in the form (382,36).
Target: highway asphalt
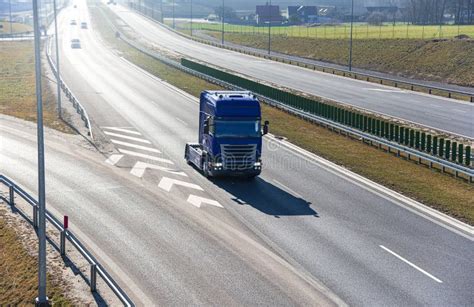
(270,241)
(440,113)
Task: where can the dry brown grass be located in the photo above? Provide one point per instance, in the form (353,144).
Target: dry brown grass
(19,274)
(17,86)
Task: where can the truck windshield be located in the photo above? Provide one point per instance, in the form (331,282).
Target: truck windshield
(237,128)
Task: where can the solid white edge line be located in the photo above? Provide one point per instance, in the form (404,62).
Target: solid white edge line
(424,211)
(412,265)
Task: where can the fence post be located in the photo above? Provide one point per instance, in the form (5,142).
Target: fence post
(62,243)
(12,196)
(35,216)
(93,277)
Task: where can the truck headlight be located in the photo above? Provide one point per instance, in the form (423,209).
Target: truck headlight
(257,164)
(218,164)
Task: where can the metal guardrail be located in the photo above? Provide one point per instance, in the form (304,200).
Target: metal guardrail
(75,102)
(412,85)
(95,267)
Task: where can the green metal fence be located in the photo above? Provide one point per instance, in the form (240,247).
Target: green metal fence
(432,144)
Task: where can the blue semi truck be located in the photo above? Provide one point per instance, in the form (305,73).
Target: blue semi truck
(230,135)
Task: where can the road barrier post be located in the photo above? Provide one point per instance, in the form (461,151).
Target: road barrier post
(93,277)
(428,143)
(447,149)
(12,196)
(460,153)
(62,242)
(454,154)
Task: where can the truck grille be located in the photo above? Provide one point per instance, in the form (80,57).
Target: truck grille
(238,157)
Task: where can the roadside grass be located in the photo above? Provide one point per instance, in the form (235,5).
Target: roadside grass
(17,86)
(19,273)
(439,191)
(16,27)
(341,31)
(450,61)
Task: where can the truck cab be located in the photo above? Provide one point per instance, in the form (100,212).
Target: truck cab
(230,135)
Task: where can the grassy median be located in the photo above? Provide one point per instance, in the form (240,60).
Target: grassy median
(436,190)
(19,272)
(449,61)
(15,27)
(17,86)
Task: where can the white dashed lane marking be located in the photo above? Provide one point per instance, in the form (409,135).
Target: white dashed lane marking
(411,264)
(181,121)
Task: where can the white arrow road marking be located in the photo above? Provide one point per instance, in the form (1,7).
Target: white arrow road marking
(137,154)
(127,137)
(135,146)
(167,183)
(122,130)
(198,201)
(113,159)
(140,168)
(411,264)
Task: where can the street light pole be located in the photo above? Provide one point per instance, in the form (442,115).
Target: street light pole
(223,13)
(11,24)
(161,11)
(42,299)
(191,17)
(174,25)
(350,43)
(58,75)
(270,27)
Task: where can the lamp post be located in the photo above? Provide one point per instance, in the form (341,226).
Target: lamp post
(161,11)
(174,25)
(350,43)
(270,27)
(42,299)
(223,13)
(58,75)
(191,17)
(11,24)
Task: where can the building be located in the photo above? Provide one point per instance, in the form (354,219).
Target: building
(268,13)
(303,13)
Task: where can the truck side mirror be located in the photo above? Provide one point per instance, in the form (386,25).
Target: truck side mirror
(265,127)
(206,126)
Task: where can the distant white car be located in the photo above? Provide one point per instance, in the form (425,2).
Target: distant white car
(83,25)
(73,22)
(75,43)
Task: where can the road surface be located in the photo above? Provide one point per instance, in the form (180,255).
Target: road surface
(182,239)
(440,113)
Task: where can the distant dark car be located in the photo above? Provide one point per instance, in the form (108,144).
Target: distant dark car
(73,22)
(75,43)
(83,25)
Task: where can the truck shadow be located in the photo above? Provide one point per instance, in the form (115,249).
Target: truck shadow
(265,197)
